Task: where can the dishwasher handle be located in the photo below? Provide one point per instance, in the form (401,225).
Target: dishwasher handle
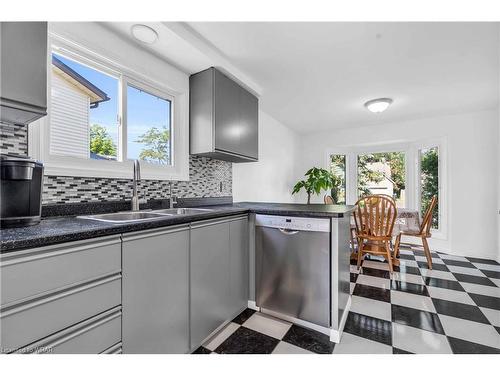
(288,232)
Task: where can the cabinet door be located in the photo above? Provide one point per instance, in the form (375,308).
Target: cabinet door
(239,263)
(249,123)
(227,114)
(156,292)
(209,279)
(24,62)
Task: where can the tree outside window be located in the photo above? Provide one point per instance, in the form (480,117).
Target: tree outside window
(101,143)
(382,173)
(429,181)
(338,168)
(156,145)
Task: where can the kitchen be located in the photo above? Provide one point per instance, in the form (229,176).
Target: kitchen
(153,194)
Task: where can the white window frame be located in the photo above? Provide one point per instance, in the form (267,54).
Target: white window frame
(441,144)
(347,177)
(412,171)
(128,81)
(348,170)
(352,167)
(57,165)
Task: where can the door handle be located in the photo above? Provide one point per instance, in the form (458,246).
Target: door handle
(288,232)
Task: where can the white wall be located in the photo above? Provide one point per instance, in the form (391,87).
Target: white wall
(473,164)
(271,178)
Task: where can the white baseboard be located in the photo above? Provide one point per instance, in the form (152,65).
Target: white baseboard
(335,335)
(297,321)
(253,305)
(454,253)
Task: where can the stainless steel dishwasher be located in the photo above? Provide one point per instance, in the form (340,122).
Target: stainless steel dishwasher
(292,265)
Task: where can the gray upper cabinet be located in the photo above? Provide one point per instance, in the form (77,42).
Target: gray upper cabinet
(223,118)
(227,114)
(156,291)
(23,80)
(249,140)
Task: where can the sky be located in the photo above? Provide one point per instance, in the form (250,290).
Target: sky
(143,109)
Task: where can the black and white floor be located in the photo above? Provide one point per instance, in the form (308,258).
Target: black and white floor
(453,308)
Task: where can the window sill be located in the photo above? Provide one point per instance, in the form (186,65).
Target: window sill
(117,170)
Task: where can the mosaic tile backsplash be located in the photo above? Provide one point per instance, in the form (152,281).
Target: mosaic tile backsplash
(207,178)
(13,139)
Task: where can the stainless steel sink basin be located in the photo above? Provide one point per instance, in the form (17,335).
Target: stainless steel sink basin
(126,217)
(138,216)
(182,211)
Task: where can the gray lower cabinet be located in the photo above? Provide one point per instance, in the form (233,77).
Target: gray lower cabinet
(219,274)
(95,335)
(239,265)
(209,278)
(172,288)
(155,291)
(61,298)
(28,273)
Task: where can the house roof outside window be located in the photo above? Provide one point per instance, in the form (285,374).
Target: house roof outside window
(95,94)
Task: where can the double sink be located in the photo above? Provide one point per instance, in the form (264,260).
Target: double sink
(138,216)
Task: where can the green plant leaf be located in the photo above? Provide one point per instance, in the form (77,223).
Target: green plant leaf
(299,185)
(318,179)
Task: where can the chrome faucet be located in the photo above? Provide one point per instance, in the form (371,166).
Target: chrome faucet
(137,177)
(173,198)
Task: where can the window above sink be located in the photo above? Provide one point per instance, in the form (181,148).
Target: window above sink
(107,110)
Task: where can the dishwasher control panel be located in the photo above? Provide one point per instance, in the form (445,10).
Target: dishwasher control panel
(293,223)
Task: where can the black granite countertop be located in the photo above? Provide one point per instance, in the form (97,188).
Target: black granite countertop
(296,209)
(70,228)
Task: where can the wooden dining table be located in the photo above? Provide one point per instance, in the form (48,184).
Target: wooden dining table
(406,219)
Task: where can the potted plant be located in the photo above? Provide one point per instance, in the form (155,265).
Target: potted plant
(318,179)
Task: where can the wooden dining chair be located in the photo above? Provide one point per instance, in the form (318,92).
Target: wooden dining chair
(423,232)
(374,217)
(328,199)
(353,227)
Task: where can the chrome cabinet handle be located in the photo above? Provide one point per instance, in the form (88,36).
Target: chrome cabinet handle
(288,232)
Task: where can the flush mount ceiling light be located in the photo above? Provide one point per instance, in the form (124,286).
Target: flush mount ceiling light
(144,34)
(378,105)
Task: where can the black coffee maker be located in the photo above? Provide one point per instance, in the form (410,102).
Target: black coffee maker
(21,180)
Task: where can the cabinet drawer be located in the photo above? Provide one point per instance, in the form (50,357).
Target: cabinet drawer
(28,273)
(25,323)
(92,336)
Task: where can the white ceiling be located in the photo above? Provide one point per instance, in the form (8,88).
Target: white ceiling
(316,76)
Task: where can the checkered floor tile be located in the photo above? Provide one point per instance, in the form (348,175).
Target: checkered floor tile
(453,308)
